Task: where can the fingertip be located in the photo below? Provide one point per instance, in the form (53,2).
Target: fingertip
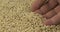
(39,12)
(48,22)
(35,5)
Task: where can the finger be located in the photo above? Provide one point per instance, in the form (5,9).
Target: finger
(47,7)
(37,3)
(43,9)
(57,9)
(54,20)
(52,13)
(52,4)
(49,14)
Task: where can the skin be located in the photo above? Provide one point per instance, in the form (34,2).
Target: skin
(48,9)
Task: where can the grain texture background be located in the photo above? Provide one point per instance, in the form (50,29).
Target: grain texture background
(16,16)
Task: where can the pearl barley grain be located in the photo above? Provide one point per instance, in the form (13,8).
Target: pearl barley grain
(14,19)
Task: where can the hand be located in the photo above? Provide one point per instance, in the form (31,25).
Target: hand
(50,9)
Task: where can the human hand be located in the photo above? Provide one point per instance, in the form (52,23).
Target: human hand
(50,9)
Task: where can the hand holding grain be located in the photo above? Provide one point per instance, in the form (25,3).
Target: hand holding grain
(50,9)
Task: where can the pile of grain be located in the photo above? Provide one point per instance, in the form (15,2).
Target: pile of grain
(16,16)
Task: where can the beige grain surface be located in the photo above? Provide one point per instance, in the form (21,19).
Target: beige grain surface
(16,16)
